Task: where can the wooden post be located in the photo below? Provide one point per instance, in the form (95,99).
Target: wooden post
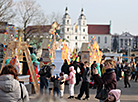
(32,72)
(23,46)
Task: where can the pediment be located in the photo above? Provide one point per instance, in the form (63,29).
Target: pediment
(126,34)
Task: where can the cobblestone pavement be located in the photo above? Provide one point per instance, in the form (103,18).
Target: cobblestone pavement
(127,95)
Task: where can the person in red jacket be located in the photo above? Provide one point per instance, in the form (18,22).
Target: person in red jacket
(109,77)
(36,72)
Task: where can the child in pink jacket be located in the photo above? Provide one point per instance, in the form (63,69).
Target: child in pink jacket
(72,81)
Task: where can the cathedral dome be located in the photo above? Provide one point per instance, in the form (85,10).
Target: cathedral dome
(66,15)
(82,16)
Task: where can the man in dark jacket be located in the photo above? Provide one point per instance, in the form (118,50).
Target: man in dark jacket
(85,74)
(44,79)
(127,73)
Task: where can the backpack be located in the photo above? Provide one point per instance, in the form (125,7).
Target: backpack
(45,70)
(22,98)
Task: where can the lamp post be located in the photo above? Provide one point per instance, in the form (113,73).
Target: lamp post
(129,47)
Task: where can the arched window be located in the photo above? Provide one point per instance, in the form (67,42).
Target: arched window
(67,29)
(105,39)
(83,22)
(98,39)
(67,21)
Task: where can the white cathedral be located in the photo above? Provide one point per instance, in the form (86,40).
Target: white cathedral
(77,33)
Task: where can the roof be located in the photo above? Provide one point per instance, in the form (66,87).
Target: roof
(38,28)
(98,29)
(84,47)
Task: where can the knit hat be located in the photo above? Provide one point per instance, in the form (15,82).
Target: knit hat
(71,68)
(116,93)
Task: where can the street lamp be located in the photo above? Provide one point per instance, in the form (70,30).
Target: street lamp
(129,47)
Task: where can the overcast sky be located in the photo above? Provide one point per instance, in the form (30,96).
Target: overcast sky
(122,13)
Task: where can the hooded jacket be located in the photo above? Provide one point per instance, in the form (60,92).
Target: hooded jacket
(10,90)
(72,76)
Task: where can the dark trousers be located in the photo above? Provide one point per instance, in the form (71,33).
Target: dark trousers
(56,90)
(44,83)
(84,88)
(126,81)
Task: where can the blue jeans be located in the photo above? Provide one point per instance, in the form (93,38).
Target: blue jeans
(44,83)
(56,90)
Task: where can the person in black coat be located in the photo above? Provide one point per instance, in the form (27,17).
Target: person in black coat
(85,74)
(65,67)
(127,73)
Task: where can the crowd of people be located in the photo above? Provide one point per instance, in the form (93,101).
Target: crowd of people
(104,74)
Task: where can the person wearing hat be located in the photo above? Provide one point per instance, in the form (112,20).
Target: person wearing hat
(113,95)
(72,81)
(56,80)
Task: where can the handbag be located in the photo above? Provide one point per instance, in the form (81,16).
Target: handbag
(102,93)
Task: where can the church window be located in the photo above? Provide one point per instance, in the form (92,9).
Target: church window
(76,37)
(68,37)
(105,39)
(76,43)
(98,39)
(83,22)
(84,37)
(83,30)
(67,29)
(76,30)
(67,21)
(63,21)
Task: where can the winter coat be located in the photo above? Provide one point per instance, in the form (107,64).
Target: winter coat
(56,82)
(109,79)
(85,76)
(10,90)
(98,68)
(127,71)
(65,68)
(62,81)
(72,76)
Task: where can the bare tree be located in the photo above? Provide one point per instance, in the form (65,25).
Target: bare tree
(6,10)
(29,13)
(55,17)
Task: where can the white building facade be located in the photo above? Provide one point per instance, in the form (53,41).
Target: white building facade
(76,34)
(102,34)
